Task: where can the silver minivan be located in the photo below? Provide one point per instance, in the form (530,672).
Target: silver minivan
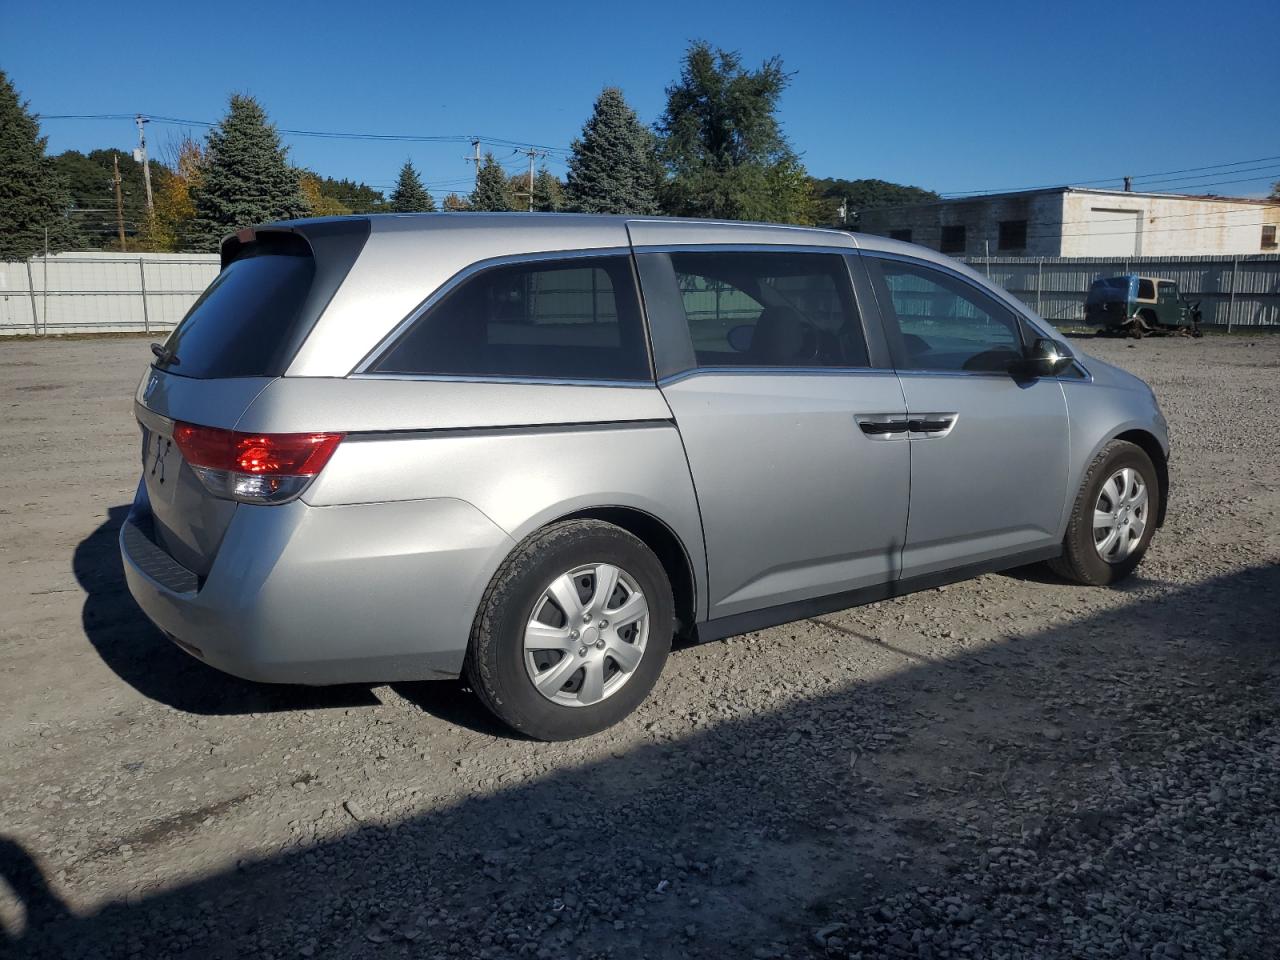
(532,449)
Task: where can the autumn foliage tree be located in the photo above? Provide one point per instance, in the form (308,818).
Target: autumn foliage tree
(168,227)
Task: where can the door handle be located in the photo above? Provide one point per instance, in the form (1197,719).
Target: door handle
(883,426)
(930,426)
(895,426)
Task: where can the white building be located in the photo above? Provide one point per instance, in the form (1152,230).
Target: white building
(1079,222)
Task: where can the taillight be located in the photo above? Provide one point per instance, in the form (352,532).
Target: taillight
(254,467)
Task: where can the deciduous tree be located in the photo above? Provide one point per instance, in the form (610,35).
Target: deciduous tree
(169,226)
(722,144)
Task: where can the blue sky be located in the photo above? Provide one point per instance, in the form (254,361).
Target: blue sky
(954,97)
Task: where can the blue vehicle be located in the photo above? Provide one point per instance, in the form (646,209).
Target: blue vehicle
(1136,306)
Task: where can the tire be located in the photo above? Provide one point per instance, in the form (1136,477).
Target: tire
(524,595)
(1081,560)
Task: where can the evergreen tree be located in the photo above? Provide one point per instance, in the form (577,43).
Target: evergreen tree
(723,147)
(246,178)
(410,196)
(33,196)
(491,192)
(612,168)
(548,192)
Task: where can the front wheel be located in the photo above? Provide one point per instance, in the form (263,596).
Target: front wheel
(1113,517)
(572,632)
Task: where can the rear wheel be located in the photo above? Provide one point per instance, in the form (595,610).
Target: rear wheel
(573,631)
(1113,517)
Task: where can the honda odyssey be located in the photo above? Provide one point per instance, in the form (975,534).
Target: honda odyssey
(532,449)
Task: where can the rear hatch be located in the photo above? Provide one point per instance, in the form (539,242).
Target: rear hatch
(239,335)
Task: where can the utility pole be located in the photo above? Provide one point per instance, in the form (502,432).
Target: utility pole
(115,162)
(532,154)
(140,120)
(475,149)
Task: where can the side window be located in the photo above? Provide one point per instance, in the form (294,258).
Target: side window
(1146,289)
(946,323)
(770,309)
(576,319)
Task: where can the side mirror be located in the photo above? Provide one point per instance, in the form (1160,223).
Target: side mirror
(1044,358)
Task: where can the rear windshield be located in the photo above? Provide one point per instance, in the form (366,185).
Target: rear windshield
(243,324)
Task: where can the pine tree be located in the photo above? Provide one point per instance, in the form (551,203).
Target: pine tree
(410,196)
(612,168)
(491,192)
(246,178)
(548,192)
(33,196)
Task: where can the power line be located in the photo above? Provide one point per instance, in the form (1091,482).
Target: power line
(1138,176)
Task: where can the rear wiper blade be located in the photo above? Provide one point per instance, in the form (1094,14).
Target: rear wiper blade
(165,355)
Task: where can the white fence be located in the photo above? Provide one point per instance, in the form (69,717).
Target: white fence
(101,292)
(130,292)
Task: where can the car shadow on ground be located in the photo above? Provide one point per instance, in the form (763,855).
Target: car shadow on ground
(149,662)
(738,834)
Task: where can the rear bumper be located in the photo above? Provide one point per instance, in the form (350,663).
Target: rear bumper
(362,593)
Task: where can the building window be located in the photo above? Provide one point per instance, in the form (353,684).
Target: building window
(1269,236)
(1013,234)
(905,235)
(952,240)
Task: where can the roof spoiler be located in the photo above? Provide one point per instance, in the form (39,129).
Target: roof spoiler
(292,237)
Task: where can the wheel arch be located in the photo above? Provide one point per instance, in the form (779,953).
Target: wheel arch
(1151,447)
(666,545)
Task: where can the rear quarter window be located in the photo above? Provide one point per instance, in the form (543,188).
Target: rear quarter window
(569,319)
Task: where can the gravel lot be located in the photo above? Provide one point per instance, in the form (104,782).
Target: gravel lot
(1009,767)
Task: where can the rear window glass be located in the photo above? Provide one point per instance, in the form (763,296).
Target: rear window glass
(573,319)
(242,325)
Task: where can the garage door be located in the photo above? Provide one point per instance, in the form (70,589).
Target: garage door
(1114,233)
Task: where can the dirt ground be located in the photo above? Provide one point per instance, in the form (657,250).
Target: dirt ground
(1010,766)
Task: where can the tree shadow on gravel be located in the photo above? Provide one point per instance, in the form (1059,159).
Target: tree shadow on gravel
(150,663)
(738,832)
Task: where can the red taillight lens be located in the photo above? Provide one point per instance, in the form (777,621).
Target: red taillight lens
(273,454)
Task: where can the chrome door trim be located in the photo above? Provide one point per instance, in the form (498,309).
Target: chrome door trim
(536,381)
(776,371)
